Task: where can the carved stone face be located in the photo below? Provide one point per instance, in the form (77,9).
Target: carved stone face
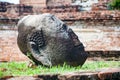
(54,27)
(49,41)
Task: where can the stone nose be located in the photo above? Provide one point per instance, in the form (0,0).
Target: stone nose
(72,34)
(74,37)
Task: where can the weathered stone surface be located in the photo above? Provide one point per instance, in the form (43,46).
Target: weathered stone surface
(109,74)
(48,41)
(104,74)
(79,76)
(48,77)
(22,78)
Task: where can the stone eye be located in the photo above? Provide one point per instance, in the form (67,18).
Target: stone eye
(64,27)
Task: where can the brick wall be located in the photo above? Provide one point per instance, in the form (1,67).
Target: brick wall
(9,50)
(41,3)
(58,2)
(67,15)
(44,3)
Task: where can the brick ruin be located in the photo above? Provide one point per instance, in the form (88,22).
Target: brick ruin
(98,18)
(45,3)
(61,8)
(41,3)
(99,21)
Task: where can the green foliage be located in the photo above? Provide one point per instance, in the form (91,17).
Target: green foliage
(115,4)
(21,68)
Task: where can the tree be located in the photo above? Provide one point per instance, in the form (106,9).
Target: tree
(115,4)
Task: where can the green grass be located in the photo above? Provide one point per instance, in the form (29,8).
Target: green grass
(21,69)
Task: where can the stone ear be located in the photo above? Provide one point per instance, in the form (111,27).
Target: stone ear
(35,41)
(37,37)
(35,44)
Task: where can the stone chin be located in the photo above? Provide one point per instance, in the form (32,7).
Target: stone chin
(49,41)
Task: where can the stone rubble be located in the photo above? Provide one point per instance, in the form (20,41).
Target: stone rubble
(104,74)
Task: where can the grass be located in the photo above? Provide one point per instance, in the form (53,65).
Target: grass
(21,69)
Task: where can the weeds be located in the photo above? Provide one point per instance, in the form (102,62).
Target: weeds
(21,68)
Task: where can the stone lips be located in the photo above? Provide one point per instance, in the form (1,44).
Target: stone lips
(61,43)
